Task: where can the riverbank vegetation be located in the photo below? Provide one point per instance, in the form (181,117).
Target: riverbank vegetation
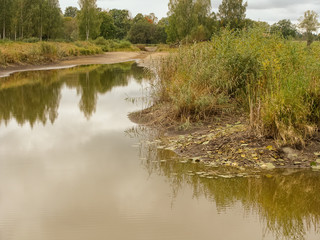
(275,81)
(187,21)
(43,52)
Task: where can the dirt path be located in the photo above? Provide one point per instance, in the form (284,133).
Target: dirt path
(144,58)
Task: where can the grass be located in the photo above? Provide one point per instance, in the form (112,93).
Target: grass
(43,52)
(275,81)
(34,52)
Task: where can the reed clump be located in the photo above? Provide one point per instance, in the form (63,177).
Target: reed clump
(275,81)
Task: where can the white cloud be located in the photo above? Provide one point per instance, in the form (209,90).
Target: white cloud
(264,10)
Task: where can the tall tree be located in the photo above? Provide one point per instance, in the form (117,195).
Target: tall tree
(232,13)
(310,24)
(6,11)
(89,22)
(185,17)
(54,21)
(122,22)
(107,27)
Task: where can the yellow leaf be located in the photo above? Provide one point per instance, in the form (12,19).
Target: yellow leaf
(269,147)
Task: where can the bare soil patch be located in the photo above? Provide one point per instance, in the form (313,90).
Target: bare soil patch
(226,141)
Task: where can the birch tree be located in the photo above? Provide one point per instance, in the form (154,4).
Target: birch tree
(89,23)
(232,13)
(185,17)
(309,22)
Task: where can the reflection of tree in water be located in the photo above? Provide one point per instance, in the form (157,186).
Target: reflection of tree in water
(287,203)
(35,96)
(32,102)
(102,80)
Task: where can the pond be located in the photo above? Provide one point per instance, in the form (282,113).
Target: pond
(73,167)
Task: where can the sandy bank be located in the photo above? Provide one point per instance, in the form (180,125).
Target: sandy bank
(143,58)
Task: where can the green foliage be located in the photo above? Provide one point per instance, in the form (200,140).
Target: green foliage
(71,12)
(122,22)
(113,45)
(89,21)
(285,27)
(274,80)
(232,13)
(107,27)
(31,40)
(185,17)
(71,29)
(30,18)
(310,24)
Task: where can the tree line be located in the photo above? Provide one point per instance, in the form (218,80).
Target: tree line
(187,21)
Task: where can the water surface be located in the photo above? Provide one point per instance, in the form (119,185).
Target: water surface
(73,167)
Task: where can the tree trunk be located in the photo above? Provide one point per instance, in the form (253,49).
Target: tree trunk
(4,29)
(309,38)
(40,37)
(87,28)
(4,22)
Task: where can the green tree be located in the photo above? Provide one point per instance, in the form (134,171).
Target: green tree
(285,27)
(71,12)
(185,18)
(6,11)
(142,30)
(161,34)
(71,28)
(146,29)
(122,22)
(89,22)
(232,13)
(53,20)
(107,27)
(310,24)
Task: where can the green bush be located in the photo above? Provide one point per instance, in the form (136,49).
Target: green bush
(31,40)
(100,41)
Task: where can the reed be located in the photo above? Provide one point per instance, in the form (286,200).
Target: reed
(274,80)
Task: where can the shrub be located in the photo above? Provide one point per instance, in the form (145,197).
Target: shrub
(275,80)
(31,40)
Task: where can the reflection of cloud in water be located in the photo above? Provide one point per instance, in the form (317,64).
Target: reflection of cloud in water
(35,96)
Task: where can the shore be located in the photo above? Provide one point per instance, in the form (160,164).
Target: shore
(227,141)
(143,58)
(222,142)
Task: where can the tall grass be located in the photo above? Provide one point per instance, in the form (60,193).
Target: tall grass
(42,52)
(276,81)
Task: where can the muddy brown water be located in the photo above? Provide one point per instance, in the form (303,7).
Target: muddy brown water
(73,167)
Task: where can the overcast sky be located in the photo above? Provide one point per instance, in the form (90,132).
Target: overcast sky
(264,10)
